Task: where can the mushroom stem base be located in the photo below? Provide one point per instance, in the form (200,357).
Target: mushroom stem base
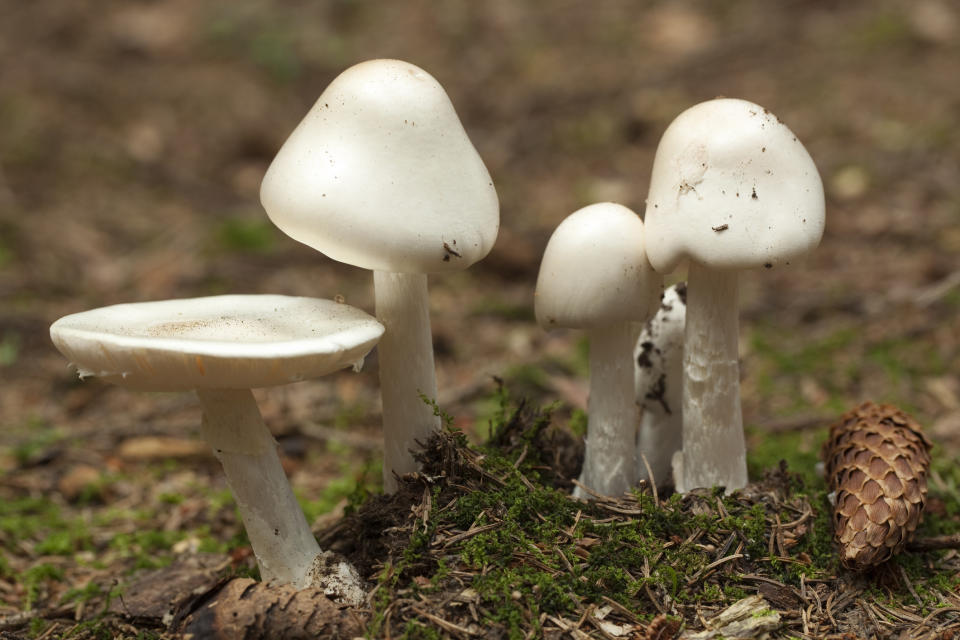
(406,370)
(714,451)
(609,464)
(278,530)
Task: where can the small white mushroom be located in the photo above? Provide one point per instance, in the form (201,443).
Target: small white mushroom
(222,347)
(658,357)
(595,276)
(380,174)
(731,189)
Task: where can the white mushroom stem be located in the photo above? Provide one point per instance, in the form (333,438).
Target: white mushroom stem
(659,373)
(275,524)
(661,424)
(406,369)
(609,464)
(714,452)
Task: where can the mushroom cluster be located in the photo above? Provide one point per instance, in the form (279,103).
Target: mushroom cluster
(732,188)
(380,174)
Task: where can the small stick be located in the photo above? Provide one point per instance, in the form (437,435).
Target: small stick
(935,543)
(653,481)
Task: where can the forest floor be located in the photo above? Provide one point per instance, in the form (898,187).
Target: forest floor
(133,137)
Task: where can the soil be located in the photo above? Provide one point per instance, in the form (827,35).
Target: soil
(133,137)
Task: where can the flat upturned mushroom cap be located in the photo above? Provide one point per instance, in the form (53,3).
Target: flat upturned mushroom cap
(220,342)
(732,188)
(380,174)
(595,272)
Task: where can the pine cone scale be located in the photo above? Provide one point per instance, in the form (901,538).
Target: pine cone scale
(876,462)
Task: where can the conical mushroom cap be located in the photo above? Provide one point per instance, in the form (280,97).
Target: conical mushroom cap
(380,174)
(594,271)
(732,188)
(219,342)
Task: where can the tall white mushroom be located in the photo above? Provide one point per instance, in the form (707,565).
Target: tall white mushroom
(595,276)
(380,174)
(731,189)
(222,347)
(658,358)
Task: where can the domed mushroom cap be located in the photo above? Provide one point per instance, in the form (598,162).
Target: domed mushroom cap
(220,342)
(732,188)
(380,174)
(595,272)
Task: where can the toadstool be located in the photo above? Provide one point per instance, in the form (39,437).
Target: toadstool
(222,347)
(595,276)
(731,189)
(380,174)
(658,358)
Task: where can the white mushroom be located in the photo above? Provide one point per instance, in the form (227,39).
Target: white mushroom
(222,347)
(731,189)
(595,276)
(380,174)
(658,357)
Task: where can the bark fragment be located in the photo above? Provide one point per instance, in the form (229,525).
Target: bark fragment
(246,609)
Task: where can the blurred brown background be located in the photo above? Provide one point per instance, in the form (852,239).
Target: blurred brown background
(133,137)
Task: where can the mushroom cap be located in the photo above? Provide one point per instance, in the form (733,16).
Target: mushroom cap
(732,188)
(220,342)
(595,272)
(380,174)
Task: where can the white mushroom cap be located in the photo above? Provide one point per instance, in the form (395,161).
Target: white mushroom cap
(595,272)
(220,342)
(732,188)
(380,174)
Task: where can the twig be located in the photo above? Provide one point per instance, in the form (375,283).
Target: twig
(926,621)
(445,624)
(800,422)
(713,565)
(653,481)
(935,543)
(937,290)
(470,533)
(906,581)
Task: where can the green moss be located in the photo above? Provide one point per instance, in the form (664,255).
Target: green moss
(10,342)
(82,594)
(36,627)
(242,235)
(799,449)
(578,422)
(416,630)
(498,308)
(41,438)
(65,542)
(34,577)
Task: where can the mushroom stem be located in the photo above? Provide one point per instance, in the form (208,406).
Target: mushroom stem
(275,524)
(714,452)
(406,369)
(609,464)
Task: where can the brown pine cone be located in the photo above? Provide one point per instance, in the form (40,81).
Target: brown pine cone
(876,461)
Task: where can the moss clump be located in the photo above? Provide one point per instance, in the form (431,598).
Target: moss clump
(487,541)
(494,544)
